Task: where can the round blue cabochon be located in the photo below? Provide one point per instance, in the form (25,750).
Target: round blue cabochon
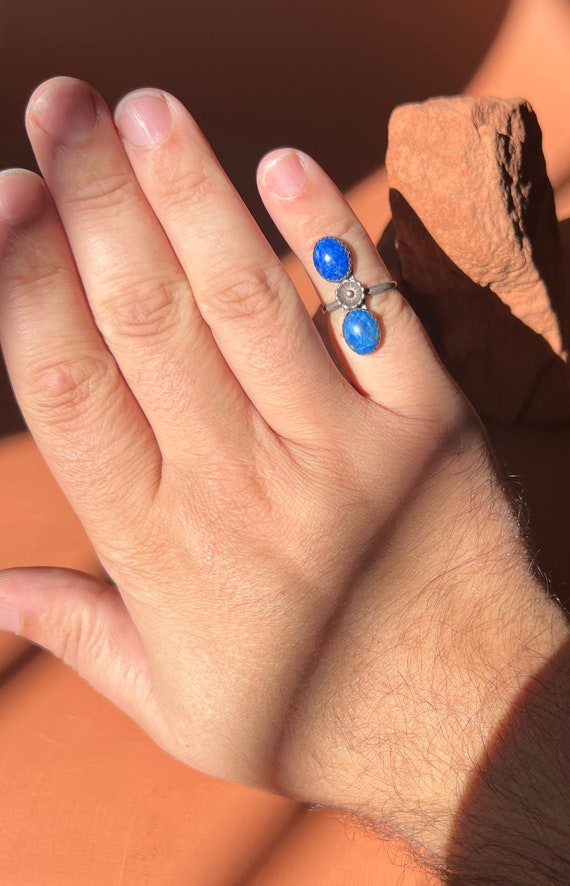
(361,331)
(331,258)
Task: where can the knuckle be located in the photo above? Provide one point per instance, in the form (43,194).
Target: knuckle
(72,643)
(256,294)
(351,231)
(66,389)
(117,189)
(192,185)
(23,282)
(82,642)
(147,309)
(258,300)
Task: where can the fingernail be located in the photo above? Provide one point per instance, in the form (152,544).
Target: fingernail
(143,118)
(9,618)
(21,195)
(286,175)
(67,111)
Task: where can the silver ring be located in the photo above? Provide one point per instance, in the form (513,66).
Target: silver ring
(361,329)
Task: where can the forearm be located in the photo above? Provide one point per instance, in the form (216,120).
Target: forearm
(513,825)
(442,717)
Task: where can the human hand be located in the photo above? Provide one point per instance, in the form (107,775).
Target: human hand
(294,555)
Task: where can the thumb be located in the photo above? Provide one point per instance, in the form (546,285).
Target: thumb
(85,623)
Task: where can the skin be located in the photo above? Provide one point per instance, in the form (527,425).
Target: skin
(320,586)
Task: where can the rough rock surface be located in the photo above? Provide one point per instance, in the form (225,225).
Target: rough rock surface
(478,253)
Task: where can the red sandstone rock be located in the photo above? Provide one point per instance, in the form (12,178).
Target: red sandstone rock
(478,250)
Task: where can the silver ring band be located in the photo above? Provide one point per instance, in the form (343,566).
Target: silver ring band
(368,290)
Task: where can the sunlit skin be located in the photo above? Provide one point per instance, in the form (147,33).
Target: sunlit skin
(320,588)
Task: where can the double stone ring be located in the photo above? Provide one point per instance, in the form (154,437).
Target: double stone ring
(360,328)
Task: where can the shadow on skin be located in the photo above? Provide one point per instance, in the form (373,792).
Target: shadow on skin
(514,380)
(517,802)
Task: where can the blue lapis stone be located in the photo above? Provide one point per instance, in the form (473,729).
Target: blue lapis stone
(361,331)
(331,258)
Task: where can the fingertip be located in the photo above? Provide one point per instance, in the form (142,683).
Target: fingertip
(48,84)
(65,109)
(47,88)
(144,118)
(22,195)
(283,172)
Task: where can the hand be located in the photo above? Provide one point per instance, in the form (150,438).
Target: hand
(306,565)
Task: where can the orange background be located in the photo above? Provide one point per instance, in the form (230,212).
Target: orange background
(85,797)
